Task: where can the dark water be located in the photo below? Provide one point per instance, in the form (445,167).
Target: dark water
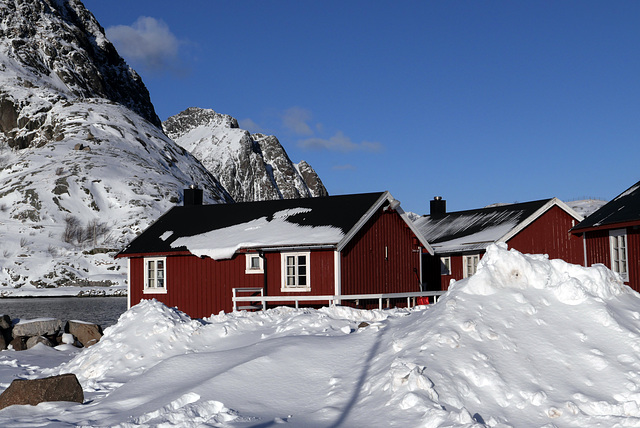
(104,311)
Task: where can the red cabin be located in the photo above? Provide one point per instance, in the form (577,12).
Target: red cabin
(197,256)
(459,239)
(611,236)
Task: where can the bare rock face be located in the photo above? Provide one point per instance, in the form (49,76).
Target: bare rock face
(56,388)
(63,39)
(87,334)
(312,179)
(64,86)
(251,167)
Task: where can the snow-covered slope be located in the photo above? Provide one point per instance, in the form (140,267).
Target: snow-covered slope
(250,166)
(586,207)
(83,166)
(526,342)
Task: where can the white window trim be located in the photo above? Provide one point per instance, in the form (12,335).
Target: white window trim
(465,271)
(251,270)
(154,290)
(613,239)
(444,265)
(283,272)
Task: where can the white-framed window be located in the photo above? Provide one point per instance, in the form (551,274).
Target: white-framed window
(618,245)
(155,275)
(470,265)
(295,272)
(254,263)
(445,265)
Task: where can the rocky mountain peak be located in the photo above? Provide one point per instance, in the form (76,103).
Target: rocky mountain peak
(194,117)
(84,166)
(250,166)
(58,45)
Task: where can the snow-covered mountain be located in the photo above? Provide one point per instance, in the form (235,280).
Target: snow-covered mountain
(586,207)
(250,166)
(84,165)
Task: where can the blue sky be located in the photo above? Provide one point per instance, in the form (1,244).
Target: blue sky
(476,101)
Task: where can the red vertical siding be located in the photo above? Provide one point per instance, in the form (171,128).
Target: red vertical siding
(198,287)
(549,234)
(202,287)
(367,268)
(599,251)
(633,256)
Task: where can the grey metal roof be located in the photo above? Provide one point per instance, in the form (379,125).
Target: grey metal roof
(474,230)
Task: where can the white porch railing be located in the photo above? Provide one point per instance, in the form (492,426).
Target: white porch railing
(330,299)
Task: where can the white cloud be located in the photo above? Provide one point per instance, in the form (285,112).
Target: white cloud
(148,43)
(340,143)
(296,120)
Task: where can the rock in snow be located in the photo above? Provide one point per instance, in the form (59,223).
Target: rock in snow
(526,342)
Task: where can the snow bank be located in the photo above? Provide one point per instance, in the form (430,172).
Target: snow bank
(526,341)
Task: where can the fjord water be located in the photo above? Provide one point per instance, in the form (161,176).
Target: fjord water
(103,311)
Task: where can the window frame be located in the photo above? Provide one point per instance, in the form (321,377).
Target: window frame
(465,265)
(145,266)
(445,265)
(614,245)
(248,268)
(307,275)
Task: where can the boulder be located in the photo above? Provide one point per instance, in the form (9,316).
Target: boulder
(5,329)
(19,343)
(34,340)
(56,388)
(87,333)
(37,327)
(5,322)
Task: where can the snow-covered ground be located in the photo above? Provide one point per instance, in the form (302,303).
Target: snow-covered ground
(526,342)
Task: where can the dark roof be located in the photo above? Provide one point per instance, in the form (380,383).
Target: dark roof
(624,208)
(474,230)
(342,212)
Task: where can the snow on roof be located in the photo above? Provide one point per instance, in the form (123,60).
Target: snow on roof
(275,231)
(475,241)
(220,230)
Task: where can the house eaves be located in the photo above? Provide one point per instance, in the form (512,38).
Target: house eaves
(533,217)
(384,198)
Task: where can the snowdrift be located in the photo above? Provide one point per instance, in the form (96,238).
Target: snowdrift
(526,341)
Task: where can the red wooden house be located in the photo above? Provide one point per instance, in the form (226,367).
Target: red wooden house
(459,239)
(611,236)
(194,256)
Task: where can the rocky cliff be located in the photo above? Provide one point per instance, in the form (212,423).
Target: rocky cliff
(250,166)
(84,165)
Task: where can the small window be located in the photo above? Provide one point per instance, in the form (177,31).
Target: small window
(155,274)
(445,265)
(470,264)
(618,244)
(295,272)
(254,263)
